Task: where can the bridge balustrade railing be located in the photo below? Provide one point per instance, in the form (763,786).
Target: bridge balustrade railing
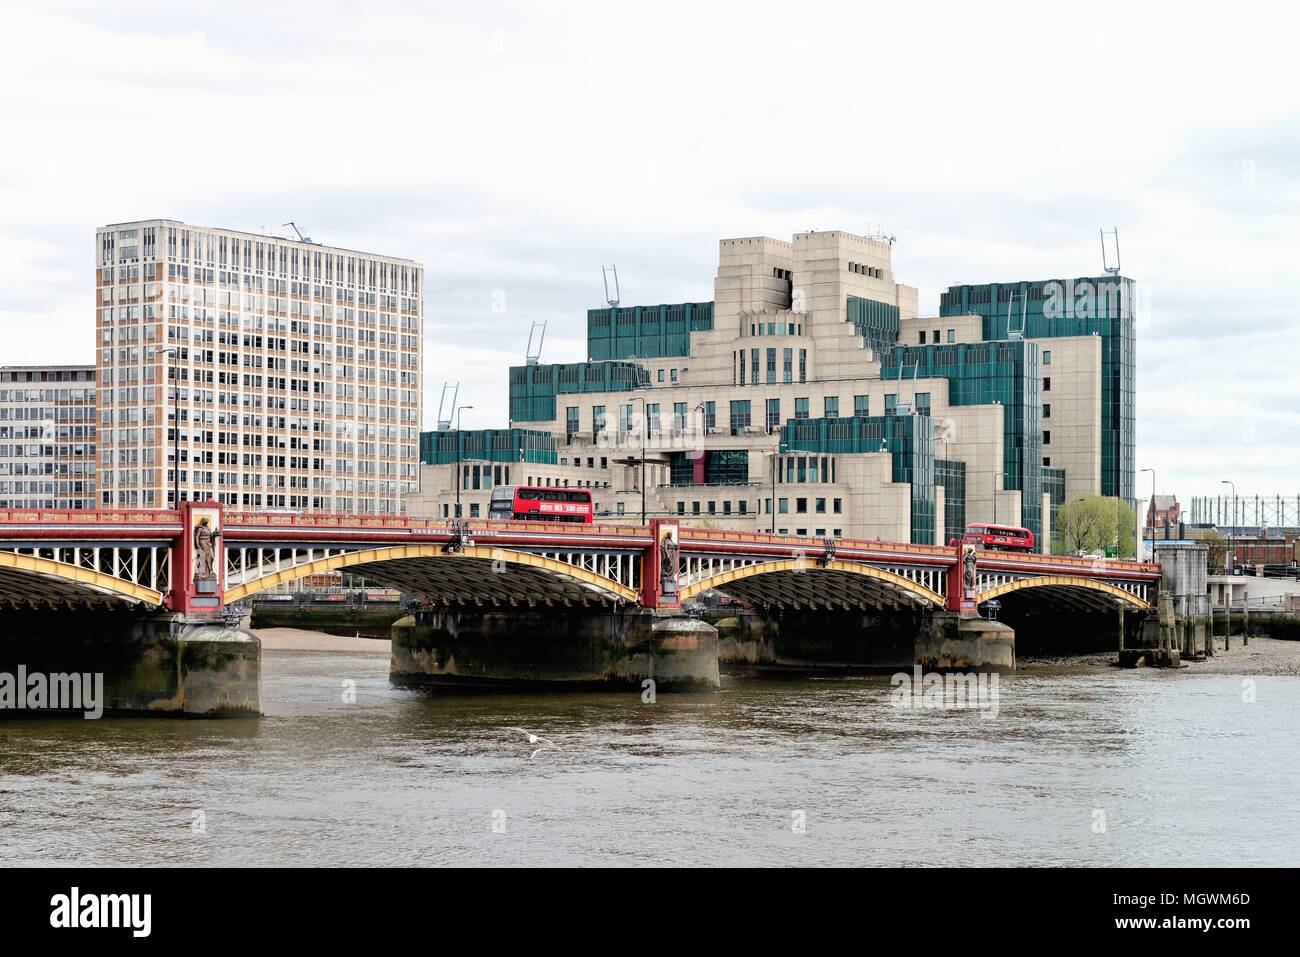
(601,530)
(322,520)
(27,516)
(1068,561)
(688,533)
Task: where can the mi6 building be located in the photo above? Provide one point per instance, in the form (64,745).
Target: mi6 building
(810,397)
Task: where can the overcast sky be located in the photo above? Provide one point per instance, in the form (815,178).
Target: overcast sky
(514,148)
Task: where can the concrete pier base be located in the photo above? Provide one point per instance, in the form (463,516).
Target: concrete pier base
(860,641)
(150,663)
(555,648)
(819,641)
(1180,629)
(953,643)
(220,671)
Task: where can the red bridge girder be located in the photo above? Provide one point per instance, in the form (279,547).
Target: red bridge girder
(43,527)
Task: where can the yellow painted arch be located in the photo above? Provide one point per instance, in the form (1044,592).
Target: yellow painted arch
(811,567)
(75,573)
(336,562)
(1066,581)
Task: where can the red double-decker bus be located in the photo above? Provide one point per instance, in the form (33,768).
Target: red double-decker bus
(1000,538)
(537,504)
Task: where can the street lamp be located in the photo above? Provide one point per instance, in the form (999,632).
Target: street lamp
(460,440)
(1234,519)
(995,483)
(1151,536)
(176,433)
(644,425)
(775,456)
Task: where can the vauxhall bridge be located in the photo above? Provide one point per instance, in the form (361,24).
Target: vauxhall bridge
(526,601)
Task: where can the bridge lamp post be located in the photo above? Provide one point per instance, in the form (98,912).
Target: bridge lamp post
(1234,518)
(774,455)
(176,433)
(1151,535)
(995,482)
(460,440)
(644,426)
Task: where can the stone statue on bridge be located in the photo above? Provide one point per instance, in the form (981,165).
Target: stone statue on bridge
(969,581)
(205,552)
(668,562)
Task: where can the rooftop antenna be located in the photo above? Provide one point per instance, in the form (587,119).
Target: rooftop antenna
(535,352)
(447,409)
(301,237)
(901,408)
(1105,259)
(1012,331)
(605,271)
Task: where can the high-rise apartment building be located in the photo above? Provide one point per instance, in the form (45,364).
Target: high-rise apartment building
(47,437)
(266,373)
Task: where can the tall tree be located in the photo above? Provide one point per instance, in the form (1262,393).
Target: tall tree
(1218,544)
(1089,524)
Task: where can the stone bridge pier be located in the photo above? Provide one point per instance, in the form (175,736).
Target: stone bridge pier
(865,640)
(614,647)
(128,607)
(1179,629)
(145,662)
(513,620)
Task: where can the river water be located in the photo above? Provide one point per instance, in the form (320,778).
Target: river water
(1117,768)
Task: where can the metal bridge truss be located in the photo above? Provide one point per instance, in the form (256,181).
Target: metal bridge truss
(699,567)
(1142,591)
(622,567)
(125,570)
(246,565)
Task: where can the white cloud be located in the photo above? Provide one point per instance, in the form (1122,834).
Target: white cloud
(517,148)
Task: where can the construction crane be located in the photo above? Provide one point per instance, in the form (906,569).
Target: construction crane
(301,237)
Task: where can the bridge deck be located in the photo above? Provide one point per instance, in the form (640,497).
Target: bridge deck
(127,554)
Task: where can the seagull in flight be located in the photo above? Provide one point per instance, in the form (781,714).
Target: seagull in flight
(537,739)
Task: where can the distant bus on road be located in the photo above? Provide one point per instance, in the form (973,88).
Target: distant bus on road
(536,504)
(1001,538)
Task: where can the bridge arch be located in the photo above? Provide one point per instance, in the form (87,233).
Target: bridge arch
(19,572)
(855,581)
(415,568)
(1066,585)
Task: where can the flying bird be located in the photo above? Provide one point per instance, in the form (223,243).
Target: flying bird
(537,739)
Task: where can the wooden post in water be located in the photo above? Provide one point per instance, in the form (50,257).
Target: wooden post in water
(1245,618)
(1209,634)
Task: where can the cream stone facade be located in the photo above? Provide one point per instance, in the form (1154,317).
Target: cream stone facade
(1071,396)
(784,347)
